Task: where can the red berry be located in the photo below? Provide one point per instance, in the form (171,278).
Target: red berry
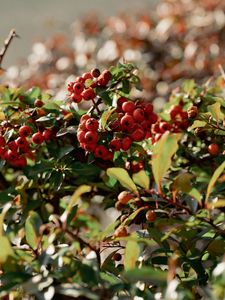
(89,147)
(117,256)
(47,134)
(91,137)
(153,118)
(107,75)
(128,107)
(84,118)
(86,76)
(138,135)
(11,155)
(120,101)
(127,123)
(100,151)
(102,81)
(124,197)
(24,131)
(88,94)
(136,167)
(139,115)
(77,98)
(78,88)
(164,126)
(148,108)
(115,144)
(21,142)
(92,124)
(121,232)
(37,138)
(95,73)
(213,149)
(12,146)
(174,111)
(150,215)
(38,103)
(20,162)
(81,136)
(126,143)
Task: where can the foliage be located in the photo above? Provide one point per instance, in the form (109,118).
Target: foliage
(169,227)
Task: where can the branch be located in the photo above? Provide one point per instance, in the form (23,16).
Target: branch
(7,42)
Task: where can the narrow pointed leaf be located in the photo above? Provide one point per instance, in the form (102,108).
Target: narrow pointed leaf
(213,180)
(141,179)
(131,255)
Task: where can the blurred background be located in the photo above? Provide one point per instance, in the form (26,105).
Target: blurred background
(36,20)
(168,40)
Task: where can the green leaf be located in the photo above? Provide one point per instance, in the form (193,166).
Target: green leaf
(123,177)
(147,275)
(6,249)
(32,228)
(183,182)
(197,124)
(188,86)
(214,109)
(74,198)
(132,252)
(125,86)
(102,93)
(162,154)
(142,179)
(105,116)
(213,180)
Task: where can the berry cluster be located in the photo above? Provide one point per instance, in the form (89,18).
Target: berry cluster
(17,148)
(178,122)
(130,122)
(84,86)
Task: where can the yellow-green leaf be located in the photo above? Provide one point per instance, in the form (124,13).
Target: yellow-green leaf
(6,249)
(182,183)
(213,180)
(123,177)
(215,111)
(142,179)
(163,152)
(194,193)
(197,124)
(32,229)
(74,198)
(132,252)
(216,204)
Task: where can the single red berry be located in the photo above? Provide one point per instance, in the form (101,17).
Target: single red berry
(117,256)
(91,137)
(128,107)
(20,162)
(89,147)
(47,134)
(92,124)
(84,118)
(86,76)
(152,118)
(139,115)
(102,81)
(88,94)
(107,75)
(164,126)
(95,73)
(12,146)
(213,149)
(77,98)
(24,131)
(146,125)
(150,215)
(38,103)
(126,143)
(11,155)
(127,123)
(37,138)
(136,167)
(120,102)
(81,136)
(100,151)
(148,108)
(124,197)
(115,144)
(138,135)
(174,111)
(80,79)
(21,142)
(78,88)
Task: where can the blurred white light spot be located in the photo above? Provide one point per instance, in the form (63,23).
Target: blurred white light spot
(63,63)
(108,52)
(13,72)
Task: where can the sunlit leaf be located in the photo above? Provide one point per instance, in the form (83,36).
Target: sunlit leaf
(142,179)
(213,180)
(163,152)
(147,275)
(32,229)
(215,111)
(123,177)
(6,249)
(131,255)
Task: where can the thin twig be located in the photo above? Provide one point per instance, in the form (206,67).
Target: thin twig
(7,42)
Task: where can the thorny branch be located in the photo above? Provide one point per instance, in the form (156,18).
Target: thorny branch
(7,42)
